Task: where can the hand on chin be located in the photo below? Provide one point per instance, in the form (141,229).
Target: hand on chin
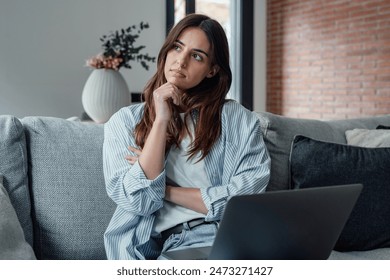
(177,82)
(180,106)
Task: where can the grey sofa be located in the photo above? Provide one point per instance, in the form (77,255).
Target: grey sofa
(51,169)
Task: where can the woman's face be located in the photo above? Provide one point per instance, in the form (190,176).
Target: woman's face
(188,62)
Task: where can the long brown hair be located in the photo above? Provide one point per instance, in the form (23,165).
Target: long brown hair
(205,100)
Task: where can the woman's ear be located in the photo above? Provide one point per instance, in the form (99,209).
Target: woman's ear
(214,70)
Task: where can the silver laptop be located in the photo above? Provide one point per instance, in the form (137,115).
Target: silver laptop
(294,224)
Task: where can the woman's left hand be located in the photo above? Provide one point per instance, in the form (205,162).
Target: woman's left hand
(133,158)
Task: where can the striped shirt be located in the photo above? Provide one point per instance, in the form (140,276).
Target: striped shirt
(237,164)
(184,172)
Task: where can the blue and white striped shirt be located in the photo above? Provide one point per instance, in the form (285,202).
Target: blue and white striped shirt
(237,164)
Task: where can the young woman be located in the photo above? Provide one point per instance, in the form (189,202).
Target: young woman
(190,149)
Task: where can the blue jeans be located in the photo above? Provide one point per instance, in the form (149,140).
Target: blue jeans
(199,236)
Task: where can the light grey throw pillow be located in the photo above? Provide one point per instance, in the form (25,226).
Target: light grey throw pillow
(13,167)
(13,245)
(71,207)
(370,138)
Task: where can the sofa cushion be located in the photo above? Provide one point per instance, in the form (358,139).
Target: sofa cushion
(382,127)
(13,245)
(317,163)
(279,132)
(377,254)
(13,167)
(71,209)
(370,138)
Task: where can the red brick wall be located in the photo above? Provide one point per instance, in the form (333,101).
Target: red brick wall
(328,59)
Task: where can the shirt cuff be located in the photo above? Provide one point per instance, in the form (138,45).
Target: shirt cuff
(155,188)
(215,199)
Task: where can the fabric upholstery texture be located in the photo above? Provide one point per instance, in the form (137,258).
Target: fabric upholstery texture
(13,167)
(279,132)
(376,254)
(370,138)
(71,209)
(13,245)
(317,163)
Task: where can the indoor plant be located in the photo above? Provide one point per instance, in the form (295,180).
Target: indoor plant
(106,91)
(119,49)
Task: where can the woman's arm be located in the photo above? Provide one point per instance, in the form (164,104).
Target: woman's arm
(250,174)
(128,185)
(245,167)
(190,198)
(139,188)
(152,158)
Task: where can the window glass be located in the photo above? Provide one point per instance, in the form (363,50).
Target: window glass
(180,10)
(218,10)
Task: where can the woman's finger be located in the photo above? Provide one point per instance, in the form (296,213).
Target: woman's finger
(136,151)
(176,95)
(131,159)
(166,92)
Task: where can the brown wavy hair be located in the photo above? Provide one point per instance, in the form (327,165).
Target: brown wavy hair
(204,101)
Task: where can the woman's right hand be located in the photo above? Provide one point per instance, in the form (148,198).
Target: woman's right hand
(162,96)
(152,158)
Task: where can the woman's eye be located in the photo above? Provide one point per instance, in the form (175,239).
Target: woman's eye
(197,57)
(177,47)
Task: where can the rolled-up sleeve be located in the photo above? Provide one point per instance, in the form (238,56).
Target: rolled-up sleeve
(246,164)
(126,184)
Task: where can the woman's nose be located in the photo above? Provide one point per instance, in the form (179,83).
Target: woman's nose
(181,61)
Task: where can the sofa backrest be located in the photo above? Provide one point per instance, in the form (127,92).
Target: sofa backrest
(13,168)
(279,132)
(70,206)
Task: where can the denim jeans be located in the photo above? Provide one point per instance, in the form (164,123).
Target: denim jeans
(199,236)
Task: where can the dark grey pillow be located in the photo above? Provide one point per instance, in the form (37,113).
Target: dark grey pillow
(382,127)
(315,163)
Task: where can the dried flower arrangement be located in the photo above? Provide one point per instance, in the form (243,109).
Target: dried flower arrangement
(119,50)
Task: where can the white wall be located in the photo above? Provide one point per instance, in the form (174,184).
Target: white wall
(44,45)
(260,56)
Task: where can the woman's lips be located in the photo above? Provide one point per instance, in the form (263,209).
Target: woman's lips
(177,73)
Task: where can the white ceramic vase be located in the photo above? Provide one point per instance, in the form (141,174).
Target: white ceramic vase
(104,93)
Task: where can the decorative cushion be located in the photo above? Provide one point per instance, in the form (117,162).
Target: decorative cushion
(13,167)
(279,132)
(71,209)
(13,246)
(315,163)
(368,138)
(383,127)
